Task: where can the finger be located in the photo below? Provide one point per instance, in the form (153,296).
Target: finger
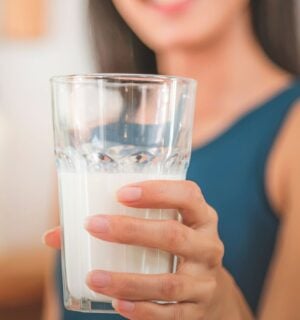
(150,311)
(167,235)
(185,196)
(52,238)
(159,287)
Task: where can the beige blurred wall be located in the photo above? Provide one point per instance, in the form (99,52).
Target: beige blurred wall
(26,150)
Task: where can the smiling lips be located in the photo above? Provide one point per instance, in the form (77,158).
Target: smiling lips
(170,6)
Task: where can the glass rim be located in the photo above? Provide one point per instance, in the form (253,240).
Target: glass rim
(138,77)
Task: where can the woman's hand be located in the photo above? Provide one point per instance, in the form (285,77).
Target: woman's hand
(195,241)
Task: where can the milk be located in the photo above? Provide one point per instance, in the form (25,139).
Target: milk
(84,194)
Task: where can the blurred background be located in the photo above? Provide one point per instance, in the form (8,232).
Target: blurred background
(38,39)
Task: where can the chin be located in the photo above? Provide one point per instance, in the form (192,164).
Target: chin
(179,42)
(168,24)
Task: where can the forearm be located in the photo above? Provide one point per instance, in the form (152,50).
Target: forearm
(229,303)
(50,310)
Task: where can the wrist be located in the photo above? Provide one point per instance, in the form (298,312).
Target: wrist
(228,302)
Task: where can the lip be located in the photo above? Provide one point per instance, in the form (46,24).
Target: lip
(169,8)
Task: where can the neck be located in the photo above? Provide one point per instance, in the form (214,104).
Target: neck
(233,74)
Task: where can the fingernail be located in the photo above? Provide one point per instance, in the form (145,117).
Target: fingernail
(97,224)
(129,194)
(99,279)
(48,234)
(122,305)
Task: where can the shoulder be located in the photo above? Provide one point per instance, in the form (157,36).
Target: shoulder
(283,167)
(280,298)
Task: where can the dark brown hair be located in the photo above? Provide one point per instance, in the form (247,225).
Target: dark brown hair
(119,49)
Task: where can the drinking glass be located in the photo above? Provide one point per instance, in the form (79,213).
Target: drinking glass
(111,130)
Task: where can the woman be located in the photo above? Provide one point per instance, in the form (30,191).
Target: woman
(246,160)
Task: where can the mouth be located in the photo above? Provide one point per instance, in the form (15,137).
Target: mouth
(170,6)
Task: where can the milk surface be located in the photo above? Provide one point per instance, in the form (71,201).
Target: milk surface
(84,194)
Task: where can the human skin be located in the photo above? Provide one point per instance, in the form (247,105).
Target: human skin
(211,41)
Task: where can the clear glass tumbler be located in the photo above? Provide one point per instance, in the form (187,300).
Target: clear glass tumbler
(111,130)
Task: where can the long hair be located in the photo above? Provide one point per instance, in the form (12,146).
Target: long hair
(120,50)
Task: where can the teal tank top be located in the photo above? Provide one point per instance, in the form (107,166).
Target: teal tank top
(231,173)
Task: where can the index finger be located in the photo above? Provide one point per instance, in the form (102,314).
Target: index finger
(185,196)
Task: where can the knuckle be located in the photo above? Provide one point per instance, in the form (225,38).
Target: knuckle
(216,253)
(178,312)
(211,252)
(212,286)
(126,231)
(121,288)
(176,235)
(221,250)
(159,193)
(171,288)
(193,190)
(214,218)
(200,312)
(203,314)
(142,312)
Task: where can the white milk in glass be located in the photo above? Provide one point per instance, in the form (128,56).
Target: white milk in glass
(84,194)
